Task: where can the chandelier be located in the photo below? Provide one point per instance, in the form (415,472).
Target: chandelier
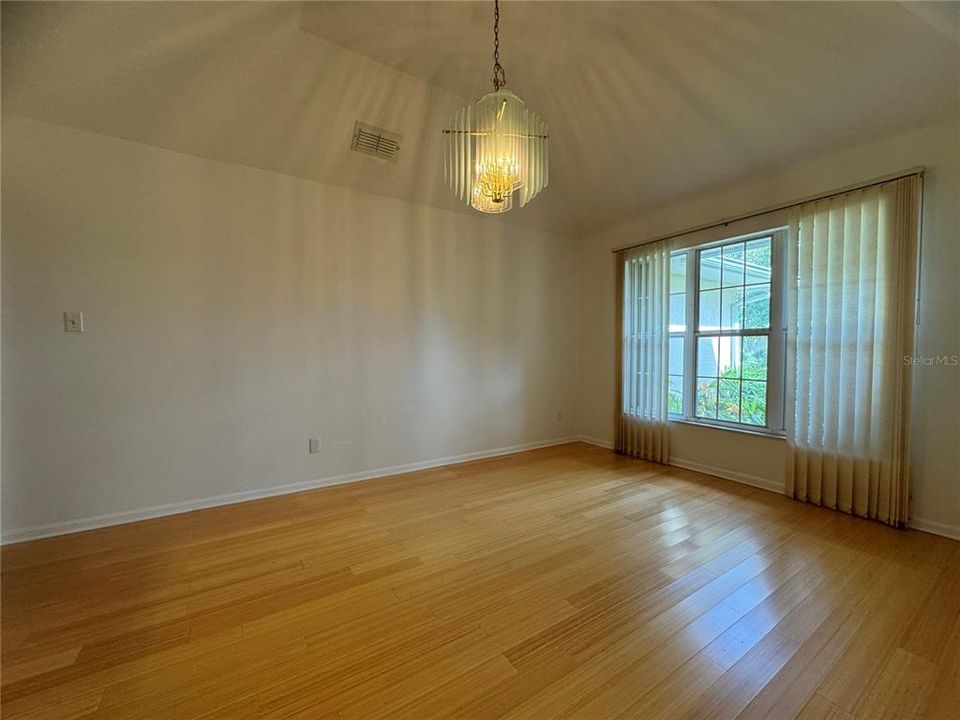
(496,150)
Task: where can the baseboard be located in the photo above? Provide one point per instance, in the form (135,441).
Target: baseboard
(595,441)
(752,480)
(119,518)
(929,526)
(935,528)
(37,532)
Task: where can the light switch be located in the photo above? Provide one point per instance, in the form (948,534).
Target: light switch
(73,321)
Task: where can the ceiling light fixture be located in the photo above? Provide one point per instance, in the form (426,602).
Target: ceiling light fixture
(496,149)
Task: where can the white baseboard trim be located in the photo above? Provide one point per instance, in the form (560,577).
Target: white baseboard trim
(935,528)
(65,527)
(595,441)
(751,480)
(120,518)
(929,526)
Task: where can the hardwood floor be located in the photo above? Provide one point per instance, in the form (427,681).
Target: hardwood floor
(565,582)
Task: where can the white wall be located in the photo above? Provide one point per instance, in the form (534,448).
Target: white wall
(935,417)
(233,312)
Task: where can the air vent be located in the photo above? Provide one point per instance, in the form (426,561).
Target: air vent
(375,141)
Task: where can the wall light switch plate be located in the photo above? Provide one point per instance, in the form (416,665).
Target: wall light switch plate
(73,321)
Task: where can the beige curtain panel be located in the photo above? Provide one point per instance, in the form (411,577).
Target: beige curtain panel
(643,302)
(851,309)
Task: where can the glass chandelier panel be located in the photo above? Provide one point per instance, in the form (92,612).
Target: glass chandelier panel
(496,150)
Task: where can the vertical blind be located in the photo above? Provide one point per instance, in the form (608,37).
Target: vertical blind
(851,291)
(643,276)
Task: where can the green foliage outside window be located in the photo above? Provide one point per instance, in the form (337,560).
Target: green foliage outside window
(752,400)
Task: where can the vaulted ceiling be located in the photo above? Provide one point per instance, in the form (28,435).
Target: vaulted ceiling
(647,101)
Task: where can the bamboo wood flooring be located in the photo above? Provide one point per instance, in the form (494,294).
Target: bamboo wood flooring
(560,583)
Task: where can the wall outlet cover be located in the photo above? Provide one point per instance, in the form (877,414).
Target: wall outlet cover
(73,321)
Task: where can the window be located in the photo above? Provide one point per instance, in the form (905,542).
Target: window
(727,333)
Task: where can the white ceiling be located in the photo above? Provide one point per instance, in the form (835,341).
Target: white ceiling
(647,101)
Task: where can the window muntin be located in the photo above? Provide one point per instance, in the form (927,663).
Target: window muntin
(678,328)
(726,368)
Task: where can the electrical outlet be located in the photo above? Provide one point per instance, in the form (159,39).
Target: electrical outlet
(559,416)
(314,445)
(73,321)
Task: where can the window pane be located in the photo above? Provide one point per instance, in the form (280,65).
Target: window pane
(755,357)
(676,356)
(710,310)
(753,403)
(728,407)
(733,265)
(678,273)
(707,354)
(731,309)
(728,359)
(706,398)
(758,261)
(678,311)
(734,286)
(675,401)
(756,313)
(710,269)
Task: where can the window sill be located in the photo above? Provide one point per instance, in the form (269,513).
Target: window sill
(762,432)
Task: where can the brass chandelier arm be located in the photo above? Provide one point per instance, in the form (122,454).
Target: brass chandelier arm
(478,133)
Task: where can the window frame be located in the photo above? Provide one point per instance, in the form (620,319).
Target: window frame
(776,335)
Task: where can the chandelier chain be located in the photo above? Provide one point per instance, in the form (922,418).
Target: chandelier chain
(499,74)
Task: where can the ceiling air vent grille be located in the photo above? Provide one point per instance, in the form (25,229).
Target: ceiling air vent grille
(375,141)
